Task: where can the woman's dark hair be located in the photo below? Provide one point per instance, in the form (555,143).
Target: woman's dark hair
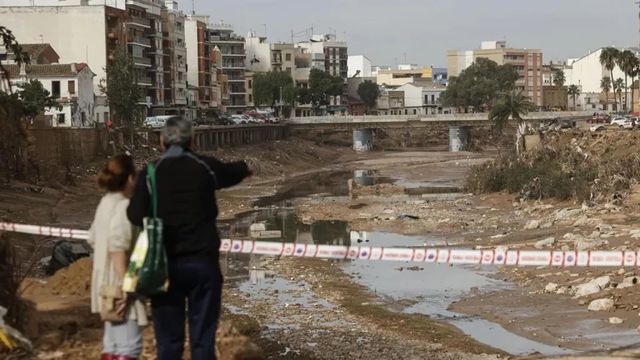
(116,173)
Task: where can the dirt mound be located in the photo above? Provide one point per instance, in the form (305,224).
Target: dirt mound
(74,280)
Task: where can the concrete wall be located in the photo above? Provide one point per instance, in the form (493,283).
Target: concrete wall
(76,33)
(68,147)
(191,43)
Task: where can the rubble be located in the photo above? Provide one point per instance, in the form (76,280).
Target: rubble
(601,305)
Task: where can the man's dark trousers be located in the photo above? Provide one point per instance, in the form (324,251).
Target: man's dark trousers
(199,283)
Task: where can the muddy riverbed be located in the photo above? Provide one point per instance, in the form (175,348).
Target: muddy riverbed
(317,309)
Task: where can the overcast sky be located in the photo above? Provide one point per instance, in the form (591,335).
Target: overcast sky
(384,30)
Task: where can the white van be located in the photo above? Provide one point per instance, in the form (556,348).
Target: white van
(156,122)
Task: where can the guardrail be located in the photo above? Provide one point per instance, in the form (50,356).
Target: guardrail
(427,118)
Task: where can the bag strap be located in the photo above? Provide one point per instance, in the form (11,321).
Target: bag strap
(153,191)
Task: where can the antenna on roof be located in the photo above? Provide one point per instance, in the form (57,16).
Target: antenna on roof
(193,7)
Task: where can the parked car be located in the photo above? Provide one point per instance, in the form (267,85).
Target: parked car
(598,127)
(623,122)
(257,117)
(557,124)
(239,119)
(599,118)
(156,122)
(203,121)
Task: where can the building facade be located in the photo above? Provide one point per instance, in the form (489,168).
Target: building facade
(79,31)
(232,48)
(175,55)
(399,77)
(527,62)
(359,66)
(71,85)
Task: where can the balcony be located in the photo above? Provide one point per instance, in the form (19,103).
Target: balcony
(139,22)
(144,81)
(139,42)
(233,66)
(141,61)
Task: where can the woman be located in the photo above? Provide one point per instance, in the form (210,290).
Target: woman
(111,236)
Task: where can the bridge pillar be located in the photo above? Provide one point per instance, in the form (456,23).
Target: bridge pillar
(363,140)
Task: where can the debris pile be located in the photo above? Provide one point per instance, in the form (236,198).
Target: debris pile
(594,167)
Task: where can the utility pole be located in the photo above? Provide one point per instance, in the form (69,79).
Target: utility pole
(638,3)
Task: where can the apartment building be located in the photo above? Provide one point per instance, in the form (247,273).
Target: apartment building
(328,54)
(359,66)
(527,62)
(403,75)
(232,48)
(283,57)
(80,31)
(175,55)
(204,61)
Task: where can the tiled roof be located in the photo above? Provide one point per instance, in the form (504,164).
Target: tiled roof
(47,70)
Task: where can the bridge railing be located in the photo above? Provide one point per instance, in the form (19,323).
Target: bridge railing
(427,118)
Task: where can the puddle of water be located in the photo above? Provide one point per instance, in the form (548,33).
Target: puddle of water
(434,287)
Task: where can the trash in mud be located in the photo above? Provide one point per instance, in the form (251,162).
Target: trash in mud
(66,252)
(408,217)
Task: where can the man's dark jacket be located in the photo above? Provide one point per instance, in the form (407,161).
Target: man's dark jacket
(186,184)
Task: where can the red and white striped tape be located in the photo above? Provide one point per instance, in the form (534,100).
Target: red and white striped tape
(495,257)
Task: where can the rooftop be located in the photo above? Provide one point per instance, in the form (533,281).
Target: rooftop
(61,70)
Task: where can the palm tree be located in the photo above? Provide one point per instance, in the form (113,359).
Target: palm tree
(633,71)
(618,85)
(558,78)
(574,91)
(512,106)
(608,58)
(626,62)
(605,85)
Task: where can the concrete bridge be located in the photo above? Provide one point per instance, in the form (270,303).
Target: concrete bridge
(213,137)
(451,125)
(401,121)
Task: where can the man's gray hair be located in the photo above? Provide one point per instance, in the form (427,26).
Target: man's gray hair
(177,131)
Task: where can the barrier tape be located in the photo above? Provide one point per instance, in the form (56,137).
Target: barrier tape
(491,257)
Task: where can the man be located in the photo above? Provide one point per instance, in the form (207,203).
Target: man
(186,184)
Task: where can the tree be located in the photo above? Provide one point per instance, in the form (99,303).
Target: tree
(629,64)
(618,85)
(512,106)
(480,85)
(16,143)
(35,99)
(605,85)
(123,92)
(573,91)
(369,93)
(271,87)
(627,61)
(322,86)
(608,58)
(558,78)
(635,71)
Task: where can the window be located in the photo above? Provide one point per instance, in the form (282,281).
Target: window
(289,70)
(415,111)
(60,118)
(83,118)
(72,87)
(250,98)
(106,116)
(287,57)
(433,99)
(98,118)
(55,89)
(250,84)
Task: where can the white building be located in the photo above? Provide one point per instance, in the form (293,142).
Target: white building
(70,84)
(359,66)
(78,30)
(422,99)
(586,72)
(258,53)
